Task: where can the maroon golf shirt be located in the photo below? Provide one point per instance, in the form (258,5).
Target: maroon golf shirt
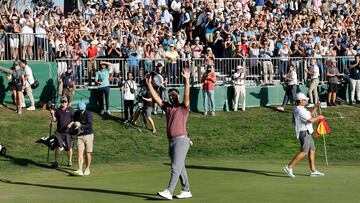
(176,119)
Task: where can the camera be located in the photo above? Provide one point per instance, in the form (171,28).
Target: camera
(2,150)
(50,106)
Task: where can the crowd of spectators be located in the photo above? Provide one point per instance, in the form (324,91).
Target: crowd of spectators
(148,29)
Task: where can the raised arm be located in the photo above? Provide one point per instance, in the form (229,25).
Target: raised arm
(186,75)
(153,93)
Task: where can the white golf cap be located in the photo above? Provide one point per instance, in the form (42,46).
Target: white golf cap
(239,67)
(301,96)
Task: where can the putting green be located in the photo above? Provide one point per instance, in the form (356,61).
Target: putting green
(211,181)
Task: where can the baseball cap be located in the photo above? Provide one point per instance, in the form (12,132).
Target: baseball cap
(301,96)
(81,106)
(63,99)
(239,67)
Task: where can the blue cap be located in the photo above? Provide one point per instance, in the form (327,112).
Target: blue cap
(81,106)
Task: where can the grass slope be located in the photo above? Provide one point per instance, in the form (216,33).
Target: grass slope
(257,133)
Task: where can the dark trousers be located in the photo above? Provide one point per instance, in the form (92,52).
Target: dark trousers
(128,106)
(103,91)
(289,91)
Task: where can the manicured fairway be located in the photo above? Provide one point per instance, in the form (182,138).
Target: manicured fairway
(211,181)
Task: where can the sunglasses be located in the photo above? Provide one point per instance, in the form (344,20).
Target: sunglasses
(63,101)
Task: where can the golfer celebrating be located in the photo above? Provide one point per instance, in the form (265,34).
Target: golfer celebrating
(303,127)
(176,117)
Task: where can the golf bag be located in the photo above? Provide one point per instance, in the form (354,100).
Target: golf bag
(2,151)
(48,141)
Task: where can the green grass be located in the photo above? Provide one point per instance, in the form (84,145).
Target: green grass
(236,157)
(211,181)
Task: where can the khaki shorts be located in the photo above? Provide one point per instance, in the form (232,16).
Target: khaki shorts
(27,40)
(85,142)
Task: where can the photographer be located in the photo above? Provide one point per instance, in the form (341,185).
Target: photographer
(208,81)
(145,106)
(17,84)
(129,89)
(160,90)
(102,79)
(85,137)
(63,116)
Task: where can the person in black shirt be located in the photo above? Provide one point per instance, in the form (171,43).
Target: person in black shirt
(67,85)
(63,116)
(355,80)
(83,123)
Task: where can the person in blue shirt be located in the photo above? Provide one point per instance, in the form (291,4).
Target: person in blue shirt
(83,127)
(103,78)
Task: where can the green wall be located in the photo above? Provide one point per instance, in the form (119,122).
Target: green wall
(46,74)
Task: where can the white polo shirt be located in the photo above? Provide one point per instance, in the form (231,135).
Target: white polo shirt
(29,73)
(127,94)
(301,117)
(292,75)
(241,80)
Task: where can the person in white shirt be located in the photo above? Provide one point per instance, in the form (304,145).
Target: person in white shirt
(129,89)
(313,79)
(239,87)
(29,80)
(303,121)
(291,86)
(27,39)
(40,28)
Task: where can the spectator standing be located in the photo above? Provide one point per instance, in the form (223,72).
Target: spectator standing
(14,27)
(113,52)
(129,90)
(91,52)
(64,117)
(29,80)
(332,74)
(355,80)
(85,138)
(291,86)
(102,79)
(40,29)
(208,81)
(239,87)
(313,73)
(172,56)
(67,84)
(76,54)
(61,55)
(27,39)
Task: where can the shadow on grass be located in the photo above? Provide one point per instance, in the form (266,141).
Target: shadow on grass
(146,196)
(257,172)
(26,162)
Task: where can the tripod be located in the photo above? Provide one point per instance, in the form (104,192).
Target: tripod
(140,111)
(50,129)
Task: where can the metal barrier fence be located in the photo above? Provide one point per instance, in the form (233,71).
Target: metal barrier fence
(259,71)
(30,46)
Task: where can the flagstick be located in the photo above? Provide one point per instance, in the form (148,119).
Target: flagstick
(326,159)
(325,151)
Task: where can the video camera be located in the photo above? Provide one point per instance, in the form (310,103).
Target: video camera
(2,150)
(50,106)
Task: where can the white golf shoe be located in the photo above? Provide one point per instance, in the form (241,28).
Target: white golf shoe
(165,194)
(78,173)
(289,171)
(184,195)
(316,174)
(87,172)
